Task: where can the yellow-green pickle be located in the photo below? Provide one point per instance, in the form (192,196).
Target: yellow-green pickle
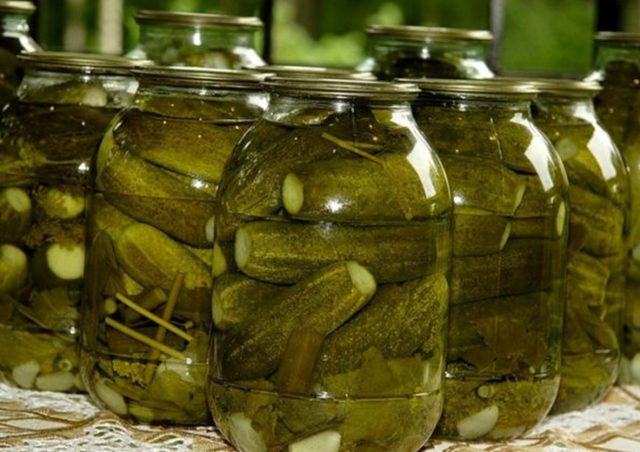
(596,263)
(509,248)
(434,52)
(330,306)
(47,138)
(170,38)
(618,71)
(15,38)
(147,298)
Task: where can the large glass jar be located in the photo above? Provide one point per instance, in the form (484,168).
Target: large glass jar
(509,248)
(14,17)
(618,70)
(433,52)
(147,298)
(194,39)
(330,317)
(596,265)
(47,139)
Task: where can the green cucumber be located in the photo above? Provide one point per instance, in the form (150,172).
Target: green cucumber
(15,214)
(236,299)
(58,265)
(279,252)
(523,266)
(193,148)
(152,258)
(483,184)
(602,220)
(323,301)
(411,314)
(537,202)
(13,269)
(546,227)
(360,190)
(479,234)
(150,194)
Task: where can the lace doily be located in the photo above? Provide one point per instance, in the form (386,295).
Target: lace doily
(33,421)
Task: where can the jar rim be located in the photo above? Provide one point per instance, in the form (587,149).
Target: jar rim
(475,87)
(295,71)
(17,6)
(422,33)
(146,16)
(339,88)
(199,77)
(565,87)
(623,37)
(79,62)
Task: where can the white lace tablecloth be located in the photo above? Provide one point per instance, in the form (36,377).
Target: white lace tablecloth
(51,422)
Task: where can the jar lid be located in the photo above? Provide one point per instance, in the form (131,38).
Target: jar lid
(295,71)
(333,88)
(18,7)
(200,77)
(79,62)
(564,87)
(621,37)
(200,19)
(475,88)
(416,33)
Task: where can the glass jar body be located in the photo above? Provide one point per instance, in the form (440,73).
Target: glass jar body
(507,279)
(618,71)
(391,58)
(150,238)
(329,321)
(198,46)
(47,137)
(596,265)
(15,39)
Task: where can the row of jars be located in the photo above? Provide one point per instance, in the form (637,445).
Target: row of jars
(174,241)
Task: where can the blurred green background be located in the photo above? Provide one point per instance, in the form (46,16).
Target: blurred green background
(541,36)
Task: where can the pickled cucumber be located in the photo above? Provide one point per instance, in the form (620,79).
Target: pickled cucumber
(197,149)
(286,252)
(536,202)
(58,265)
(73,92)
(235,299)
(602,220)
(483,184)
(322,302)
(522,266)
(13,269)
(360,190)
(151,195)
(15,214)
(479,234)
(409,313)
(153,258)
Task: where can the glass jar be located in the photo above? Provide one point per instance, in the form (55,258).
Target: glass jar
(15,39)
(509,249)
(596,268)
(286,70)
(194,39)
(47,138)
(329,320)
(618,71)
(427,52)
(147,299)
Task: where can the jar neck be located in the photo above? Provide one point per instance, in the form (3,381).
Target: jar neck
(198,36)
(119,89)
(482,107)
(15,23)
(607,52)
(282,104)
(556,109)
